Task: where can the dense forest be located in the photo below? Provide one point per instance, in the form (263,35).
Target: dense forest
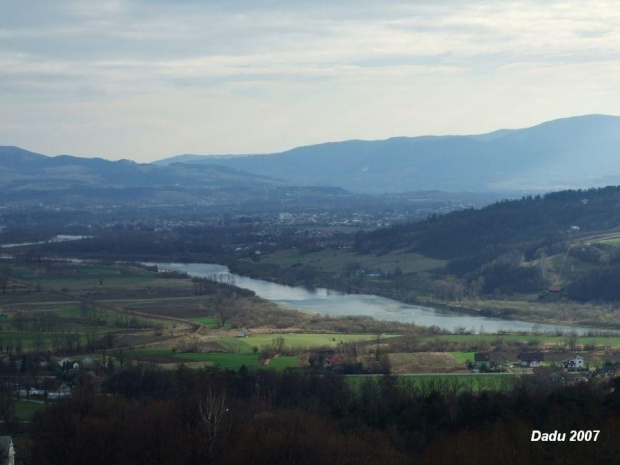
(528,224)
(188,417)
(492,243)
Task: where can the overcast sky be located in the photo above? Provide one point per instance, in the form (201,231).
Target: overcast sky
(153,78)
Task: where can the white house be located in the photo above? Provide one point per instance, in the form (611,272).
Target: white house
(64,361)
(573,362)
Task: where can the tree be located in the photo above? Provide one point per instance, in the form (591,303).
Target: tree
(224,309)
(571,340)
(278,344)
(215,423)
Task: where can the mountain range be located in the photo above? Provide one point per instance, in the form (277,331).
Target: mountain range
(27,177)
(21,169)
(575,152)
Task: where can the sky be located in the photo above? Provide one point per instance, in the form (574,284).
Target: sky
(148,79)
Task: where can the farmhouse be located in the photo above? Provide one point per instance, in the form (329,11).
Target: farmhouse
(531,359)
(573,362)
(336,362)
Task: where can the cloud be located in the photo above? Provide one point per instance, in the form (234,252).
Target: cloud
(146,79)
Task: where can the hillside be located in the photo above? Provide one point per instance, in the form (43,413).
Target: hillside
(567,238)
(567,153)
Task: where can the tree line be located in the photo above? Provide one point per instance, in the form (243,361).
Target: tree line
(264,417)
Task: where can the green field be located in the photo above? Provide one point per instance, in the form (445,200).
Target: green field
(294,340)
(232,361)
(615,242)
(463,357)
(87,277)
(336,261)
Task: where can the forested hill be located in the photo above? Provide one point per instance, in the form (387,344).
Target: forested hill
(481,235)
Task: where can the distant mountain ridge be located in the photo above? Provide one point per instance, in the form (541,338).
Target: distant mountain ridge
(575,152)
(21,169)
(31,178)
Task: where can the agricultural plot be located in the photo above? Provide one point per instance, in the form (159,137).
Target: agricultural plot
(295,340)
(425,362)
(232,361)
(463,357)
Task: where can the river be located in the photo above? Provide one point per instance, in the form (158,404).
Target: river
(340,304)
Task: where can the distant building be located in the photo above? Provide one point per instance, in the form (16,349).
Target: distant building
(531,359)
(65,362)
(336,362)
(574,362)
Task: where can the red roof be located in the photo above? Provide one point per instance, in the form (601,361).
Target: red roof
(336,360)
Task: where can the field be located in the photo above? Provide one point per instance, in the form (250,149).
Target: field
(294,340)
(242,350)
(336,261)
(425,362)
(232,361)
(463,357)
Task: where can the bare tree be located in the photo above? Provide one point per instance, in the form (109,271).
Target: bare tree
(214,422)
(224,309)
(571,340)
